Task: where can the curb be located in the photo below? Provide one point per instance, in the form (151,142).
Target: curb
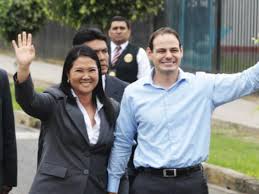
(229,180)
(24,119)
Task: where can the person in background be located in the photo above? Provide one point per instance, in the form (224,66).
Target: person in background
(96,40)
(171,112)
(78,119)
(8,150)
(128,62)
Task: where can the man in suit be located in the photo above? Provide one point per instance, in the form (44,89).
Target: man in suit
(8,152)
(96,40)
(128,62)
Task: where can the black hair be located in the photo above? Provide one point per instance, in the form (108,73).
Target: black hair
(161,31)
(88,34)
(75,53)
(119,19)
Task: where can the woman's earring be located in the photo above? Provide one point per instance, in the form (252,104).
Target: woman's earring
(68,81)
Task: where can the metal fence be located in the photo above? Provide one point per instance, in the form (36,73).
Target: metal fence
(239,23)
(54,40)
(216,34)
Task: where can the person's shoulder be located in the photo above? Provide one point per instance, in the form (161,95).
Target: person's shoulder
(3,72)
(138,84)
(133,46)
(199,76)
(55,91)
(3,77)
(117,81)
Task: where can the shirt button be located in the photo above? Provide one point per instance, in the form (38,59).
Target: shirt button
(86,171)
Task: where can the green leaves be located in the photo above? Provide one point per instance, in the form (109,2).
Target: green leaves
(17,16)
(99,12)
(30,15)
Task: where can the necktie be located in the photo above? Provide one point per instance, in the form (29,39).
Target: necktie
(116,54)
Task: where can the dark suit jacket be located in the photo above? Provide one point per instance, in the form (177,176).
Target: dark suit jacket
(69,163)
(8,152)
(114,87)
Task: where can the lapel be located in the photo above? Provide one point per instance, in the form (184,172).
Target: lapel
(104,132)
(77,117)
(102,127)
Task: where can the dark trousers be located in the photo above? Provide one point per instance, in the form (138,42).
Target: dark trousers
(124,185)
(147,183)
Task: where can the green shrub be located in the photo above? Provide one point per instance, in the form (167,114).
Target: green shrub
(21,15)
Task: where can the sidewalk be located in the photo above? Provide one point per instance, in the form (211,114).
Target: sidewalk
(241,112)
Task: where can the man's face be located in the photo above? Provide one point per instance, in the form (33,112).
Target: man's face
(119,32)
(166,54)
(100,47)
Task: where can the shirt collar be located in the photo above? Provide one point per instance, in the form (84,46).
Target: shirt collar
(149,79)
(103,81)
(99,105)
(123,46)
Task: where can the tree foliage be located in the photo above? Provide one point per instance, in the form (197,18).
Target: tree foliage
(80,12)
(21,15)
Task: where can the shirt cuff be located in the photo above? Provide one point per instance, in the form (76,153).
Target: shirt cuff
(16,79)
(113,184)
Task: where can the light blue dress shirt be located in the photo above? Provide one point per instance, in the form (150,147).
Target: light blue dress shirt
(172,125)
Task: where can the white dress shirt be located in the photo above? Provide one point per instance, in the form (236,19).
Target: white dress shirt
(92,131)
(142,59)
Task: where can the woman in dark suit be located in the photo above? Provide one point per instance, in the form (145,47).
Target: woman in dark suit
(78,119)
(8,152)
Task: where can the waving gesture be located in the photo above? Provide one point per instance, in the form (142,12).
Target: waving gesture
(25,53)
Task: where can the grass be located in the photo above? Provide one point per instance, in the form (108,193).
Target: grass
(16,106)
(235,149)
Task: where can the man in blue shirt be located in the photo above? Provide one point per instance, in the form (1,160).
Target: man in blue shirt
(171,111)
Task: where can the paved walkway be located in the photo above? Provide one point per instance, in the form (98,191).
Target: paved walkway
(241,111)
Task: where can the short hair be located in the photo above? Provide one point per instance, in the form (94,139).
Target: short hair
(119,19)
(88,34)
(161,31)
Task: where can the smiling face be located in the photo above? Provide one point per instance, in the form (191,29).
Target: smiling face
(166,54)
(100,48)
(83,76)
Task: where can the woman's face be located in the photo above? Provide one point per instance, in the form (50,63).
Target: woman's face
(83,76)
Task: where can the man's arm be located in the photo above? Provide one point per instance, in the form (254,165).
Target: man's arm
(124,138)
(143,63)
(229,87)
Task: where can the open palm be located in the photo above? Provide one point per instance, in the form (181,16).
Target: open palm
(24,50)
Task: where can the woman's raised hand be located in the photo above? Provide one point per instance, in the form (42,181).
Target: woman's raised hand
(25,53)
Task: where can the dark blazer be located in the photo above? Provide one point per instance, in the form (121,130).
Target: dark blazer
(69,163)
(8,152)
(114,87)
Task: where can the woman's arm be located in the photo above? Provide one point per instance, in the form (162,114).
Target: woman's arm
(25,53)
(39,105)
